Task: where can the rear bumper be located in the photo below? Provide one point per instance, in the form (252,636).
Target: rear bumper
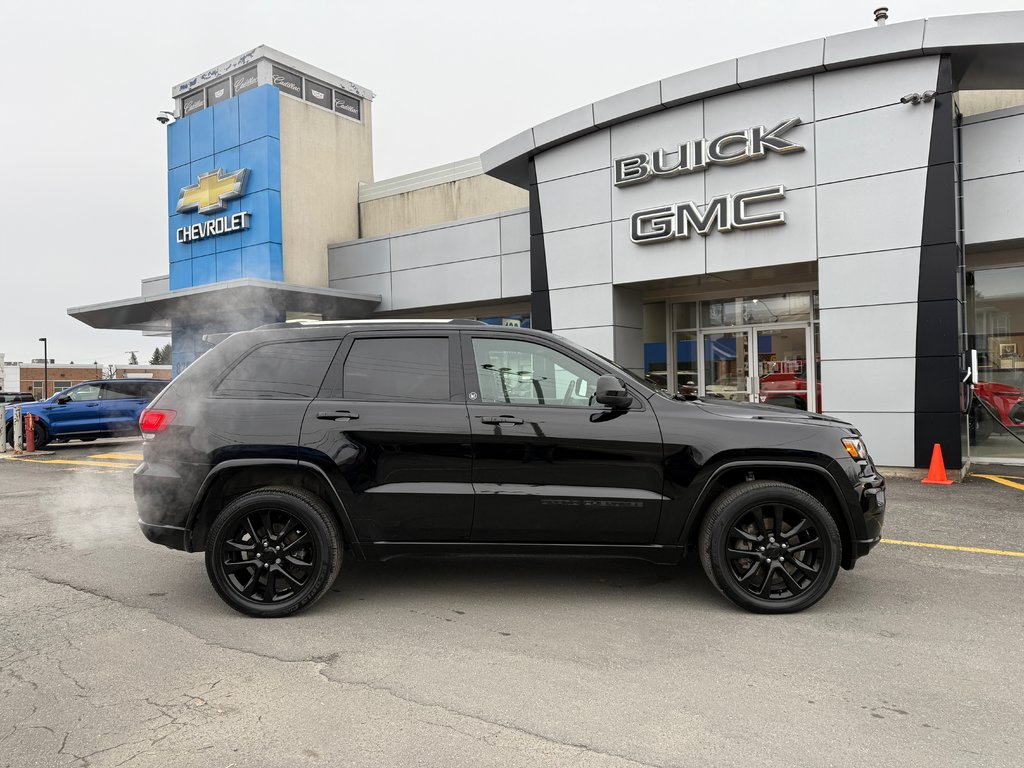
(171,536)
(163,501)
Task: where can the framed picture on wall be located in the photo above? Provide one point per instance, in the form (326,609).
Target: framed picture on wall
(1007,350)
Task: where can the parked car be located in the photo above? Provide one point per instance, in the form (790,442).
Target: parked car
(1004,401)
(285,447)
(86,411)
(16,397)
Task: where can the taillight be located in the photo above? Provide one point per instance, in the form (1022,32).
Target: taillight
(153,421)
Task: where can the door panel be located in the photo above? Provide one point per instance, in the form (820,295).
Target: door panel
(394,433)
(79,415)
(120,405)
(549,464)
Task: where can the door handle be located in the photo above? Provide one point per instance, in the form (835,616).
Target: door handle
(337,415)
(500,420)
(92,405)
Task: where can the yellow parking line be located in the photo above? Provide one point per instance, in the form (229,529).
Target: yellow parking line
(1001,481)
(978,550)
(122,456)
(108,464)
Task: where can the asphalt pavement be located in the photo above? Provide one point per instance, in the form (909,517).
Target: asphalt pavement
(116,652)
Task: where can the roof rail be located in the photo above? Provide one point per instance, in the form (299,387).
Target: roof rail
(380,321)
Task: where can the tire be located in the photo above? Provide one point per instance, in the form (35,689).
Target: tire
(782,519)
(980,425)
(247,571)
(42,437)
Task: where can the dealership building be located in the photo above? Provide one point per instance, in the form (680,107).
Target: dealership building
(831,225)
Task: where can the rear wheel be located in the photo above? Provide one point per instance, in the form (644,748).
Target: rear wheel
(770,547)
(272,552)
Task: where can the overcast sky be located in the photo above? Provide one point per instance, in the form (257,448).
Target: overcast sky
(82,158)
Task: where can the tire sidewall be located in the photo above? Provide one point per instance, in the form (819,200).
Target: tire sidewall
(774,493)
(325,540)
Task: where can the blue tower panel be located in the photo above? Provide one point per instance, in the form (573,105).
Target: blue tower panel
(176,179)
(180,275)
(178,152)
(200,134)
(204,269)
(228,160)
(178,251)
(263,159)
(259,114)
(225,125)
(229,265)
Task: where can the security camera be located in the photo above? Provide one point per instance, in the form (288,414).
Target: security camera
(163,117)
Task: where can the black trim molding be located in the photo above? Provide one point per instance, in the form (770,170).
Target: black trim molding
(540,296)
(937,416)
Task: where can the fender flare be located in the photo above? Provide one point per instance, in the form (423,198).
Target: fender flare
(702,497)
(334,500)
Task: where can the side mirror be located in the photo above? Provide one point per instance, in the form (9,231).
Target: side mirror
(63,400)
(611,391)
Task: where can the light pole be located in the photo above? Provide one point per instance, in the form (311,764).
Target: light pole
(46,370)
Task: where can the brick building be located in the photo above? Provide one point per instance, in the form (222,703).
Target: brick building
(65,375)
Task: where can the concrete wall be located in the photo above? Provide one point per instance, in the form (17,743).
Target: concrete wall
(993,168)
(324,158)
(474,261)
(438,204)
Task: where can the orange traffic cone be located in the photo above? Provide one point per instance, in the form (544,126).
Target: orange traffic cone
(937,470)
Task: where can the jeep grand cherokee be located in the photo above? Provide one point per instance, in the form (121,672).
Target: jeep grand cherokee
(283,448)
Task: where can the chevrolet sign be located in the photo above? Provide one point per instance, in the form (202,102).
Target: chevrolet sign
(211,193)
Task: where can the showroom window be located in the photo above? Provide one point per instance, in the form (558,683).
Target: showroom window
(995,313)
(747,348)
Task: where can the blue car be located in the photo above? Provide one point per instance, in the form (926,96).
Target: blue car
(108,408)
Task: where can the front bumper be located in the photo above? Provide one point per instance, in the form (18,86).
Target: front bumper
(866,505)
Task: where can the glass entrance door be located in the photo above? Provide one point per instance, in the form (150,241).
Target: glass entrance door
(784,376)
(726,364)
(762,363)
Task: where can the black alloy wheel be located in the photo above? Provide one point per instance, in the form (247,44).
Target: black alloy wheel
(273,551)
(770,547)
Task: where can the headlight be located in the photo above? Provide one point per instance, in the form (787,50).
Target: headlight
(855,447)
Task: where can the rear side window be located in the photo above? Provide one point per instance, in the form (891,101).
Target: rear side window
(287,370)
(396,369)
(122,390)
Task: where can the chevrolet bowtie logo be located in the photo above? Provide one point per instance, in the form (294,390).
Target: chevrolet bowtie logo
(213,191)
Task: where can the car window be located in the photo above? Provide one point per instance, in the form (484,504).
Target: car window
(151,389)
(521,372)
(286,370)
(120,390)
(83,393)
(413,369)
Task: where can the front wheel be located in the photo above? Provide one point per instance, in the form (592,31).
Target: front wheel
(770,547)
(41,436)
(273,551)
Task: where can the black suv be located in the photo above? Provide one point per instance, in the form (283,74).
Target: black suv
(282,448)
